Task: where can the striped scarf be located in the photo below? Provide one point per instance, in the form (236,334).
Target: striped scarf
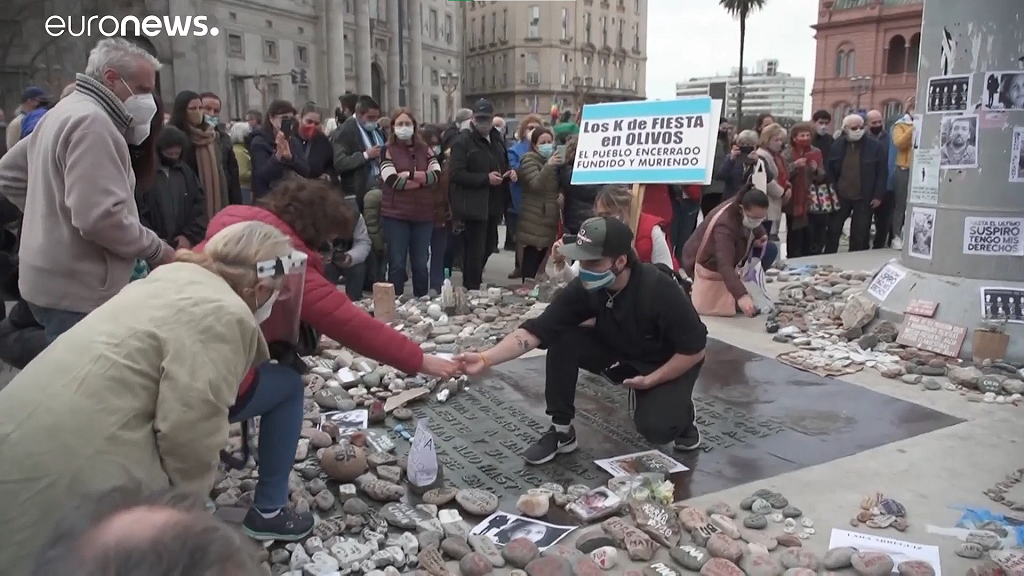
(107,100)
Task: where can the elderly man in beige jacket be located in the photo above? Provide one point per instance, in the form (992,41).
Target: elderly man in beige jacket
(73,179)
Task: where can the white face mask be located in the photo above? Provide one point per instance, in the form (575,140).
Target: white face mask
(404,133)
(854,135)
(263,312)
(142,108)
(751,223)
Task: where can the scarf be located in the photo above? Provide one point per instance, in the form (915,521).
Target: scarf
(802,180)
(370,140)
(207,149)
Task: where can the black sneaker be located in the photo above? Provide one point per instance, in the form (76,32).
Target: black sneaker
(287,525)
(689,441)
(551,444)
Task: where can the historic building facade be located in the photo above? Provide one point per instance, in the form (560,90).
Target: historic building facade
(527,57)
(390,49)
(867,55)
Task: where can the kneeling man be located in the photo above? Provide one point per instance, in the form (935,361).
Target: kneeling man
(638,328)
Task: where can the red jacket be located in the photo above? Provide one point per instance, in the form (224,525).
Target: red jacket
(326,308)
(658,201)
(644,241)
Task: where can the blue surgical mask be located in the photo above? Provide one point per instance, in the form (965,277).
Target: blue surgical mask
(369,126)
(593,281)
(212,120)
(546,150)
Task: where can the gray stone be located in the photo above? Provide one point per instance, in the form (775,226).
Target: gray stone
(592,539)
(858,312)
(748,502)
(475,564)
(519,552)
(985,539)
(402,413)
(355,506)
(755,521)
(872,563)
(970,550)
(350,552)
(838,558)
(659,569)
(799,558)
(760,506)
(484,545)
(912,378)
(722,509)
(931,384)
(1013,386)
(382,491)
(722,546)
(324,500)
(440,496)
(549,566)
(792,512)
(401,515)
(477,502)
(432,562)
(690,557)
(967,376)
(429,539)
(456,547)
(391,474)
(778,501)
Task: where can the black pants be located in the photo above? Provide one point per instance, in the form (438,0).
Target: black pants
(859,213)
(817,232)
(798,242)
(663,413)
(883,215)
(511,220)
(477,247)
(708,202)
(492,237)
(532,258)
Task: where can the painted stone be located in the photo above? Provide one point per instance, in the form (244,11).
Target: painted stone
(872,563)
(549,566)
(799,558)
(838,558)
(721,508)
(440,496)
(456,547)
(658,521)
(755,522)
(722,546)
(725,526)
(477,502)
(484,545)
(343,462)
(401,515)
(660,569)
(519,552)
(690,557)
(915,568)
(607,557)
(761,565)
(692,518)
(720,567)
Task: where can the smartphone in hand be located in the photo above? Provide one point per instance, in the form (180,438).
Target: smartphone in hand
(560,150)
(288,127)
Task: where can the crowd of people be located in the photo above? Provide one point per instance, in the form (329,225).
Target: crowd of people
(172,268)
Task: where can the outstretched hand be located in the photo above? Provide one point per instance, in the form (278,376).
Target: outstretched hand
(472,363)
(639,382)
(439,367)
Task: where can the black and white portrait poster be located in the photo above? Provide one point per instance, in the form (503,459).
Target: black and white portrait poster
(958,142)
(502,528)
(1003,90)
(922,232)
(948,94)
(1002,304)
(994,236)
(1017,155)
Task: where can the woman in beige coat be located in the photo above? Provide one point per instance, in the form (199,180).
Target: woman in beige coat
(138,392)
(537,224)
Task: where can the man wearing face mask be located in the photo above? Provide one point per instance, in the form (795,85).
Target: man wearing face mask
(479,188)
(357,144)
(74,182)
(857,168)
(463,120)
(645,336)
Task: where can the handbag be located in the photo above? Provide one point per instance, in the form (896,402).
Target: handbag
(822,199)
(710,294)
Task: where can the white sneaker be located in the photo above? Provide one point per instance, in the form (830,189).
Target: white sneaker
(897,243)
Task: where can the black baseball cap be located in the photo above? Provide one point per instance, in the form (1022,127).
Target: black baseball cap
(35,93)
(483,109)
(600,237)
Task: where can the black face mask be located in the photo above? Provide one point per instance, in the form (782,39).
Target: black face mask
(876,130)
(168,161)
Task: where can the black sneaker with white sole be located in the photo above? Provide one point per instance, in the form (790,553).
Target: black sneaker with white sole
(690,440)
(287,525)
(551,444)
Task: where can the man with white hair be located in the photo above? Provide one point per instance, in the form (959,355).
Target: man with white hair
(73,179)
(857,167)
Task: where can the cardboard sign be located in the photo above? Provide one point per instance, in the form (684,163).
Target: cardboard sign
(924,308)
(931,335)
(648,142)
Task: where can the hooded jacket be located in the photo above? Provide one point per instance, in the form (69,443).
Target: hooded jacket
(267,170)
(174,205)
(578,204)
(901,146)
(324,307)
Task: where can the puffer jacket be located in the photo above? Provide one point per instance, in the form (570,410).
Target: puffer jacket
(327,309)
(371,214)
(538,213)
(579,200)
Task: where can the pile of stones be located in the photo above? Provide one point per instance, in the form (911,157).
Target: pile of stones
(827,316)
(998,492)
(878,511)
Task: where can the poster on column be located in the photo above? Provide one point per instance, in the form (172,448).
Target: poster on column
(958,142)
(1004,90)
(918,120)
(922,232)
(924,177)
(1017,155)
(648,142)
(949,94)
(994,236)
(1002,304)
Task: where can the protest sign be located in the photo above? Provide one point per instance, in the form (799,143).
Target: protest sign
(648,142)
(883,282)
(994,236)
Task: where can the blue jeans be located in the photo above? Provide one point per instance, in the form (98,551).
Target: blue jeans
(768,254)
(55,322)
(407,240)
(277,400)
(438,244)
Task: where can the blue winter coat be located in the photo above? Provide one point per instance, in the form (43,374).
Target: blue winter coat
(515,154)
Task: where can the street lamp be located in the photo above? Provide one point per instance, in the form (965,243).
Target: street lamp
(582,86)
(860,85)
(449,83)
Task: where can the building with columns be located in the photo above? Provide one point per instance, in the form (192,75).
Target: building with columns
(867,55)
(529,56)
(394,50)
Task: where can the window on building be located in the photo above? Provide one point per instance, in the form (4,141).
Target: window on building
(301,94)
(232,16)
(636,76)
(494,73)
(434,78)
(532,68)
(620,40)
(472,74)
(893,109)
(586,65)
(472,33)
(235,46)
(563,69)
(483,29)
(269,23)
(448,23)
(374,6)
(533,30)
(914,53)
(273,90)
(435,109)
(240,96)
(565,24)
(896,57)
(302,55)
(604,30)
(270,50)
(618,74)
(636,37)
(350,62)
(350,6)
(840,111)
(504,71)
(494,28)
(841,64)
(432,15)
(602,81)
(586,26)
(504,24)
(636,6)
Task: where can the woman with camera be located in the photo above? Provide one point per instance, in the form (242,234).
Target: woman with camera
(276,150)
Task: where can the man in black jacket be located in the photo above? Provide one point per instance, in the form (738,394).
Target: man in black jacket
(357,144)
(645,336)
(479,175)
(858,168)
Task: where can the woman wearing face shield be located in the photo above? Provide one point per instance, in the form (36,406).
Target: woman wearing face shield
(139,391)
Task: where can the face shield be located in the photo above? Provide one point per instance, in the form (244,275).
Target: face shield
(288,276)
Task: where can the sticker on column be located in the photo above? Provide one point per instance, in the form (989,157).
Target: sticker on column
(922,232)
(924,177)
(958,142)
(1017,155)
(918,122)
(1004,90)
(994,236)
(949,94)
(948,53)
(883,282)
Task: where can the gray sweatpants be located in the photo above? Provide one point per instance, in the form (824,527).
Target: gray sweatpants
(901,183)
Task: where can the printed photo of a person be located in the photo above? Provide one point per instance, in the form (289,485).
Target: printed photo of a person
(541,535)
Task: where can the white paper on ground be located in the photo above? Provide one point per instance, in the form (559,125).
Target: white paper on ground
(898,550)
(422,461)
(622,465)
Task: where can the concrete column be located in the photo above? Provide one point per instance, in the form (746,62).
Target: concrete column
(987,37)
(415,68)
(335,49)
(364,48)
(394,79)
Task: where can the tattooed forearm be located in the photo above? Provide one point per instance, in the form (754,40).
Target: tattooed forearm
(522,344)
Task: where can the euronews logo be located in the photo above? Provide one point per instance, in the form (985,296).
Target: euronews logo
(110,26)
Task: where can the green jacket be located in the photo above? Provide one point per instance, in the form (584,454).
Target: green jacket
(538,213)
(371,214)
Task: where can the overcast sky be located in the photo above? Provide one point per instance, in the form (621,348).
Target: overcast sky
(701,39)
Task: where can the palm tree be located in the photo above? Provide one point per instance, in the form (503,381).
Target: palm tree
(741,9)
